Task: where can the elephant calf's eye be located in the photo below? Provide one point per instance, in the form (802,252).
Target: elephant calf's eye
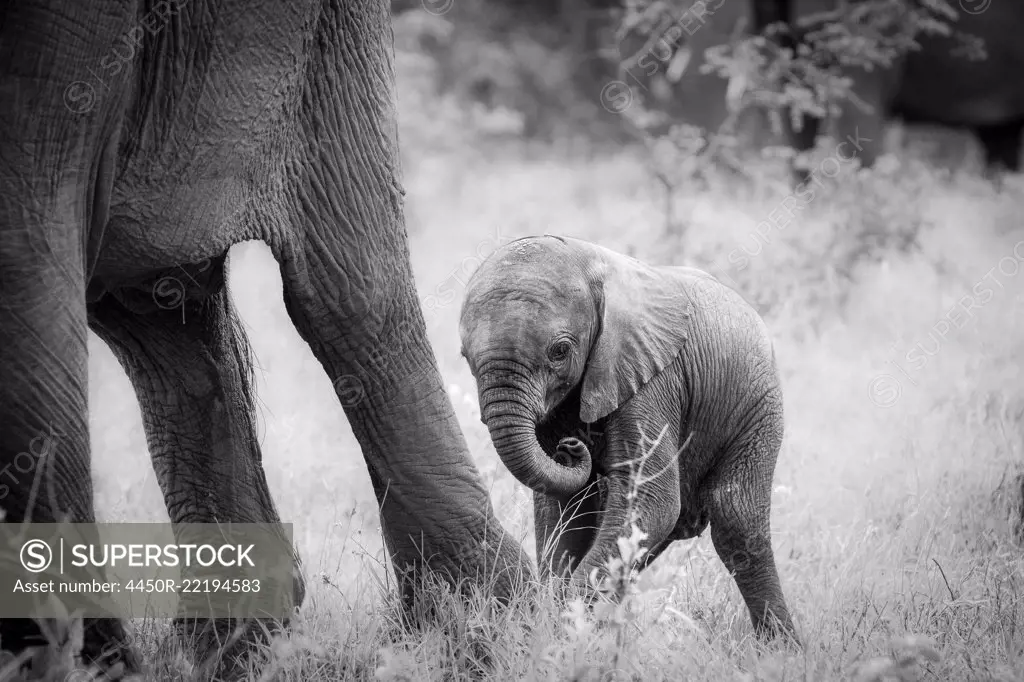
(559,351)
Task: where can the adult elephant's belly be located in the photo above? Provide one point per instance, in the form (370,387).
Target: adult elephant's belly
(203,142)
(174,231)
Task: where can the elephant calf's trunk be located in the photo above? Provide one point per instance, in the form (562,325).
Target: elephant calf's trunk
(515,440)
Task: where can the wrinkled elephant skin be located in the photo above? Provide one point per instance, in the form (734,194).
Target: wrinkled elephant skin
(139,143)
(585,360)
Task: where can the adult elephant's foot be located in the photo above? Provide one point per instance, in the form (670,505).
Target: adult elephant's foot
(105,643)
(494,565)
(223,647)
(502,568)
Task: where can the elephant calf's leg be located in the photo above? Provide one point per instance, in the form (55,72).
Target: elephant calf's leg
(565,530)
(738,496)
(191,373)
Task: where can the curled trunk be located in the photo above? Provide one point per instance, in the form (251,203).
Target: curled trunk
(514,434)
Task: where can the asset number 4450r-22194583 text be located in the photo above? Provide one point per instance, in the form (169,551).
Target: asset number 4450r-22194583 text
(195,585)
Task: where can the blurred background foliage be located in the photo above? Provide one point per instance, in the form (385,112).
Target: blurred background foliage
(538,69)
(682,85)
(532,68)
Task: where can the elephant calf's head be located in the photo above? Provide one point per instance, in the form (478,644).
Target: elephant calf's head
(527,326)
(544,315)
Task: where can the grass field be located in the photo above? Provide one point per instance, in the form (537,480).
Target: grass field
(894,489)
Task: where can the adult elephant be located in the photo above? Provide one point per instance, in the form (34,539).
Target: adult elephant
(141,141)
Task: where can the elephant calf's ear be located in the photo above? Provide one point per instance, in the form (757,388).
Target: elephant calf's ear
(644,317)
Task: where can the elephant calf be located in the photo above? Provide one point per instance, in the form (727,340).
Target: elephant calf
(565,338)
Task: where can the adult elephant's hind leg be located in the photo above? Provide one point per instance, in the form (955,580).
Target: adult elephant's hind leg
(191,371)
(738,497)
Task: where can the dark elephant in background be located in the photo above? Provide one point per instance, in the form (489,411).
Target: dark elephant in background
(140,141)
(567,338)
(933,85)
